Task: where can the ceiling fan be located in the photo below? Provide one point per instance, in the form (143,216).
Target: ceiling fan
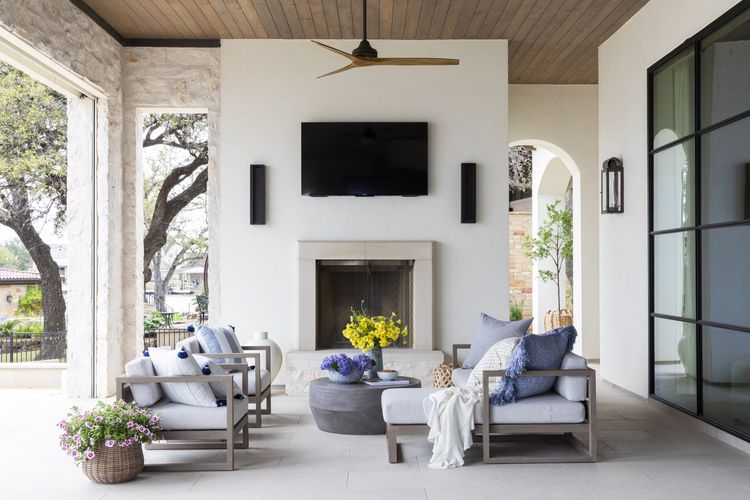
(366,55)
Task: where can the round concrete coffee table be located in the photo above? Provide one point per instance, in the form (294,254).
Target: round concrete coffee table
(349,408)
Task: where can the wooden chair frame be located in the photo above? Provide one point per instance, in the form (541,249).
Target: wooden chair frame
(196,438)
(259,396)
(587,452)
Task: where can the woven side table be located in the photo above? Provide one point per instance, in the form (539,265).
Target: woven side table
(441,376)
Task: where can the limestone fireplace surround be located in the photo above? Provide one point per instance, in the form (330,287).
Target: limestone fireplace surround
(302,365)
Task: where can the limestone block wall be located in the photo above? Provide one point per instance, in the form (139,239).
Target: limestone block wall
(60,31)
(165,79)
(520,266)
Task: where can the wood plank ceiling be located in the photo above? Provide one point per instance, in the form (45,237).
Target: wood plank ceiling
(550,41)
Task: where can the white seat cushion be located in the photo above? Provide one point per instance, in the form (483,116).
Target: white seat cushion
(404,406)
(548,408)
(265,380)
(460,376)
(179,417)
(143,394)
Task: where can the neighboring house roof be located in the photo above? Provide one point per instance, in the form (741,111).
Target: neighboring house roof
(20,277)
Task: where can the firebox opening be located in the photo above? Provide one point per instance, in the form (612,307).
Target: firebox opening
(383,286)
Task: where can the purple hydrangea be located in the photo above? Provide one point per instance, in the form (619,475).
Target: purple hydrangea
(363,361)
(345,365)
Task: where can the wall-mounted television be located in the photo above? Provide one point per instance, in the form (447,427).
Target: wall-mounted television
(364,159)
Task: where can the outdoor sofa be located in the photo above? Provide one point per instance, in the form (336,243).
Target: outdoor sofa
(570,407)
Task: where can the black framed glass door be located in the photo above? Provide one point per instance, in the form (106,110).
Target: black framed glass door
(699,224)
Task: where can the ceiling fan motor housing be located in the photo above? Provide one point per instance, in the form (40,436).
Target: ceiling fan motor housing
(365,50)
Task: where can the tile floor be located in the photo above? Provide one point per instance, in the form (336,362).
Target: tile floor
(644,454)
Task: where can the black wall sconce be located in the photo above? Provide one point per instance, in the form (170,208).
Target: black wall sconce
(9,299)
(612,187)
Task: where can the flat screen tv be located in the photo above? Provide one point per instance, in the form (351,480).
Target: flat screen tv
(364,159)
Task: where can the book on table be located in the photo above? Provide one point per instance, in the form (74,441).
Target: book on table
(376,382)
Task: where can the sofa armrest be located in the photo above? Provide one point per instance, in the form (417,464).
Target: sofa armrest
(456,348)
(572,388)
(266,349)
(244,355)
(124,381)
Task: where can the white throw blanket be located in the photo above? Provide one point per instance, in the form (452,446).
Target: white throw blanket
(450,415)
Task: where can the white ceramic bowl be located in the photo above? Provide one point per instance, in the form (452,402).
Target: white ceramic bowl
(383,375)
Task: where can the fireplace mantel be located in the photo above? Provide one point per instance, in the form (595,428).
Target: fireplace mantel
(421,252)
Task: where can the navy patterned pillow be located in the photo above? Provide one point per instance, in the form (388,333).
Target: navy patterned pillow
(534,352)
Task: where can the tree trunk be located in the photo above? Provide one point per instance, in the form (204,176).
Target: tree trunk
(173,266)
(166,208)
(159,289)
(53,302)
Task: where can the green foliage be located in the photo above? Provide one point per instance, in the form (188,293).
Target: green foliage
(9,327)
(554,241)
(516,310)
(108,424)
(153,321)
(33,142)
(13,255)
(31,303)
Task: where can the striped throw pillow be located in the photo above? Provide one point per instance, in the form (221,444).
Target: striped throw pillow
(210,367)
(496,358)
(219,340)
(169,363)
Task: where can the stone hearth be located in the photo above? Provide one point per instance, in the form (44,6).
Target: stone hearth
(303,365)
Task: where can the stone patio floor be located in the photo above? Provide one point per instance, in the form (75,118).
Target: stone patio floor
(645,453)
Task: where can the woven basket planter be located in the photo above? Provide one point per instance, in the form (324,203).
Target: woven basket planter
(557,319)
(114,465)
(441,376)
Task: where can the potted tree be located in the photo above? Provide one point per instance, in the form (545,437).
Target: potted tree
(554,242)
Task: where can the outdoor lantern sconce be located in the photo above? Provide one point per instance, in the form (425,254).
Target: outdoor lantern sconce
(9,298)
(612,187)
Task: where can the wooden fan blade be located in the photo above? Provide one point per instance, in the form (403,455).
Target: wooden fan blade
(412,61)
(347,67)
(335,50)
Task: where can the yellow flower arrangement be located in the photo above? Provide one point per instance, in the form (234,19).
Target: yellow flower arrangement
(368,332)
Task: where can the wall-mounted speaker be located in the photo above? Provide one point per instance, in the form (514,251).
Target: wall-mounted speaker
(257,195)
(468,193)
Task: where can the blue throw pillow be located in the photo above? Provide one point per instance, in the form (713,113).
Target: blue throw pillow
(491,331)
(534,352)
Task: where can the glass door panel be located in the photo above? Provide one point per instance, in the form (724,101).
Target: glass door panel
(675,362)
(673,87)
(726,377)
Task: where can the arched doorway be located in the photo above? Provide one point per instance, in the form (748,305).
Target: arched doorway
(554,176)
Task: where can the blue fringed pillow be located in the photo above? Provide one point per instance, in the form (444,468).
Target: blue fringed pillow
(534,352)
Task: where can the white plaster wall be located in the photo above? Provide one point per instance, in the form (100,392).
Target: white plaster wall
(165,79)
(658,28)
(564,120)
(269,87)
(60,31)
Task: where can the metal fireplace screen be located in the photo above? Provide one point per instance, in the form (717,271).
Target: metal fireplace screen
(385,286)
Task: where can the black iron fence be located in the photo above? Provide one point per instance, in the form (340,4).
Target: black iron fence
(160,337)
(22,347)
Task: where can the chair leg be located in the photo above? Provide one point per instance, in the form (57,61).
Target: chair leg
(258,412)
(392,440)
(246,435)
(267,411)
(230,449)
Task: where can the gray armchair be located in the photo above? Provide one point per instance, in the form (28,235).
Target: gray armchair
(195,427)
